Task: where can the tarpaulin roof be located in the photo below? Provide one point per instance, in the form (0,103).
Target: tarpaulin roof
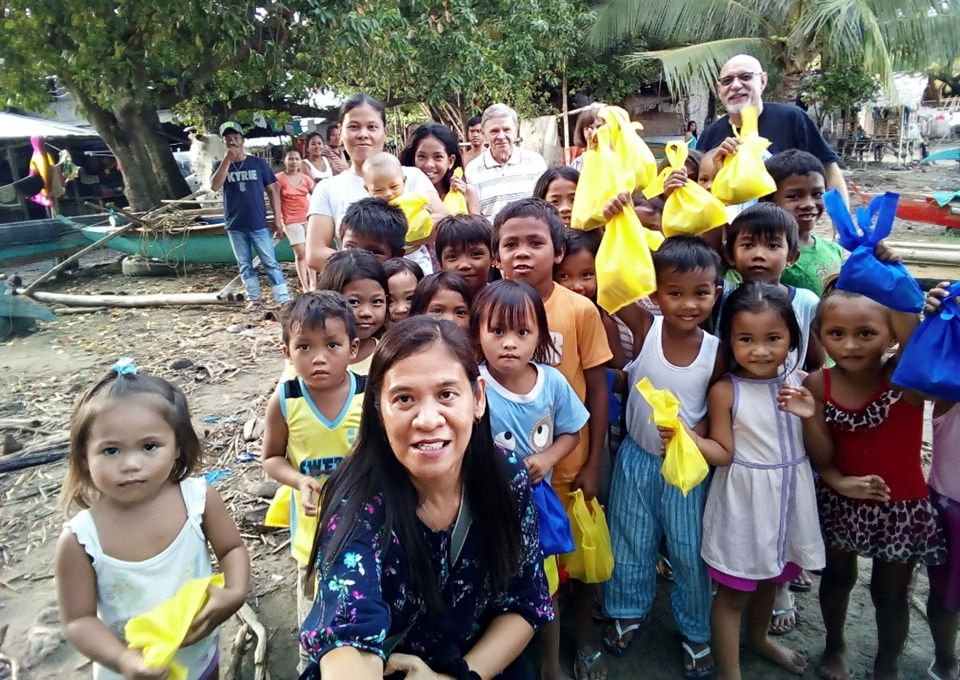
(16,126)
(908,89)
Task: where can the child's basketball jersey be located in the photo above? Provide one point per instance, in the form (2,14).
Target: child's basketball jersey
(315,446)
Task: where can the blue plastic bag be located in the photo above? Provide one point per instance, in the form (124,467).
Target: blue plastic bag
(888,283)
(555,536)
(930,362)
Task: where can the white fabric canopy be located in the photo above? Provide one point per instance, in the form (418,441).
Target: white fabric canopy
(16,126)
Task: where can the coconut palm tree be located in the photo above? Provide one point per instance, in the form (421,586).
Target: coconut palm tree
(790,36)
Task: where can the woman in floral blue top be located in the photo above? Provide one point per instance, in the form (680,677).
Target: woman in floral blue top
(429,563)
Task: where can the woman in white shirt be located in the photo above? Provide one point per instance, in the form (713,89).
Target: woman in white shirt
(363,124)
(314,164)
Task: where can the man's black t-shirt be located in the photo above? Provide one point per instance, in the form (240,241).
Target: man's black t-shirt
(785,125)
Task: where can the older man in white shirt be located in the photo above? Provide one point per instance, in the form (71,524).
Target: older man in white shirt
(503,173)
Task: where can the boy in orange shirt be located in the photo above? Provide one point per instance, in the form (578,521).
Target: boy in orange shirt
(527,242)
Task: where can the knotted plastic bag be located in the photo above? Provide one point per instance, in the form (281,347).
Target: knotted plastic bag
(744,176)
(930,362)
(419,222)
(598,183)
(636,160)
(555,536)
(160,631)
(455,202)
(888,283)
(592,560)
(683,465)
(690,209)
(623,263)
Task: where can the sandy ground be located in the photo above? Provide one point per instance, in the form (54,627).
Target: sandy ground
(234,362)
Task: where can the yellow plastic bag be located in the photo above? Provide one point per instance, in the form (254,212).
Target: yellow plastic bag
(592,560)
(623,263)
(419,222)
(691,209)
(280,513)
(636,161)
(598,183)
(683,465)
(743,176)
(455,202)
(160,631)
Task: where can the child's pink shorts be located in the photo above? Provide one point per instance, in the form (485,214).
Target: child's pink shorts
(747,585)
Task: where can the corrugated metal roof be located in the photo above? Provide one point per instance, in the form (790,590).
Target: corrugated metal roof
(16,126)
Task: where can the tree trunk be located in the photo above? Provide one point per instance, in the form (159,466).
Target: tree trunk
(132,133)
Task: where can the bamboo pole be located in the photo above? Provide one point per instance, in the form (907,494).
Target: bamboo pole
(131,301)
(566,123)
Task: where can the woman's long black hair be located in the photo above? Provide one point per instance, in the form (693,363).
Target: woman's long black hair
(442,134)
(372,469)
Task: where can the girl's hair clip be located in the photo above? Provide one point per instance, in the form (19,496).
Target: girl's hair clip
(124,366)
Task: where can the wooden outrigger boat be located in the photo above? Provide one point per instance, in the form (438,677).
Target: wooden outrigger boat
(203,244)
(920,209)
(44,239)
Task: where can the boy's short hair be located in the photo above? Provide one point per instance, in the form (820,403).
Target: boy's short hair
(311,310)
(683,253)
(461,231)
(793,162)
(474,121)
(376,219)
(766,221)
(536,208)
(395,265)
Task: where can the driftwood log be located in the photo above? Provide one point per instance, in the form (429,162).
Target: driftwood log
(34,456)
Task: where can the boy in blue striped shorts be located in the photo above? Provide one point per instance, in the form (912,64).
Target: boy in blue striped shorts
(675,354)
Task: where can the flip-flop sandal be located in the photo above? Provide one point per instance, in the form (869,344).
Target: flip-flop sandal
(696,673)
(781,612)
(613,646)
(798,585)
(664,569)
(584,663)
(252,306)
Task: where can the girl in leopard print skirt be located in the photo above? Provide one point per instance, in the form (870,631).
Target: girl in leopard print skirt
(865,440)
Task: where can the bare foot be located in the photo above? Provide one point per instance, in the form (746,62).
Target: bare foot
(780,655)
(833,665)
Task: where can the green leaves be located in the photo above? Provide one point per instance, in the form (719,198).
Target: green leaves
(696,36)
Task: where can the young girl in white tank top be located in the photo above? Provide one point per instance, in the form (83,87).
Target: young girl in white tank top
(144,528)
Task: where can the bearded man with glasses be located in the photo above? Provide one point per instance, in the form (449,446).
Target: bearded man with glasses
(741,83)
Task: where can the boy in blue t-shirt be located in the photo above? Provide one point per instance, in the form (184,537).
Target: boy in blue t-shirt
(244,179)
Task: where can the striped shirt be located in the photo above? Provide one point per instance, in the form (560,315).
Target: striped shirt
(501,183)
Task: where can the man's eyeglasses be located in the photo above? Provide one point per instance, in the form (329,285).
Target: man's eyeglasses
(744,77)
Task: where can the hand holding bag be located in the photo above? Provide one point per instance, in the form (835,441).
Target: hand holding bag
(888,283)
(691,209)
(159,632)
(744,175)
(930,363)
(683,465)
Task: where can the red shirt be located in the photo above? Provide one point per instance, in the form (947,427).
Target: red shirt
(294,200)
(882,437)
